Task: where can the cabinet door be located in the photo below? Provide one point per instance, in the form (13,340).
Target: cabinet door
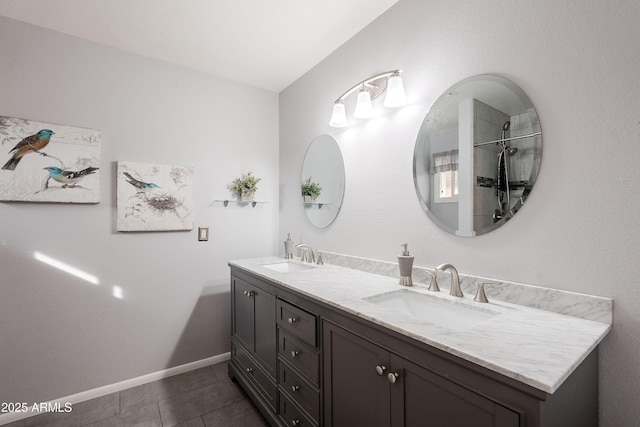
(354,393)
(242,310)
(265,340)
(420,398)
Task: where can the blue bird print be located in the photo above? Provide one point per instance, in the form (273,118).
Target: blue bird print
(30,144)
(141,186)
(69,178)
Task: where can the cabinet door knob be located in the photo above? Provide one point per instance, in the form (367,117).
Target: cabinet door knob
(292,320)
(294,353)
(295,422)
(249,370)
(381,369)
(393,377)
(295,388)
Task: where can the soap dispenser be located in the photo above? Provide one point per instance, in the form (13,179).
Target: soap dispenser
(288,247)
(405,262)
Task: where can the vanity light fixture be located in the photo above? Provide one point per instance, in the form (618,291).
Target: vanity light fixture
(370,89)
(364,108)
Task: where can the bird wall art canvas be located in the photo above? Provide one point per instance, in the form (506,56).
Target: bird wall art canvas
(45,162)
(154,197)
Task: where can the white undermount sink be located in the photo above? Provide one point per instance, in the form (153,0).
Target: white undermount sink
(288,266)
(444,313)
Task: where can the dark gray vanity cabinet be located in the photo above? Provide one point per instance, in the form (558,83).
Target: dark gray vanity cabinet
(307,363)
(253,339)
(365,384)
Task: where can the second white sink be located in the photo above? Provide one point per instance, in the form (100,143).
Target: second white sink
(448,314)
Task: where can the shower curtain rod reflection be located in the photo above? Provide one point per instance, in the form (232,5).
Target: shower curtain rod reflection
(513,138)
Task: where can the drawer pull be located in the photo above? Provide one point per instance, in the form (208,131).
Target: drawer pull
(295,388)
(393,377)
(381,369)
(292,320)
(249,293)
(295,422)
(294,353)
(249,370)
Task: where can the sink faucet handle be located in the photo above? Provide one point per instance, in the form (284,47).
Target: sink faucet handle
(433,284)
(318,257)
(480,295)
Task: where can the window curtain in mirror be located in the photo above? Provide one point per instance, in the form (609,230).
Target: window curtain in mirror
(444,161)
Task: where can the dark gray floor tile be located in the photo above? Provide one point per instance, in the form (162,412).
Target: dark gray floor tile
(194,403)
(165,388)
(196,422)
(221,370)
(81,414)
(147,416)
(240,414)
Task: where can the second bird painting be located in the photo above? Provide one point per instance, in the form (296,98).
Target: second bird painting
(154,197)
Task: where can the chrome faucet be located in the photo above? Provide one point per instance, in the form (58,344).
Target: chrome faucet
(455,280)
(306,253)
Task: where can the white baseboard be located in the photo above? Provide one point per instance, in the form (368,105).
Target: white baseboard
(112,388)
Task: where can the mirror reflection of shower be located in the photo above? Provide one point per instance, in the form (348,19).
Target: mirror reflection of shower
(504,209)
(504,164)
(511,187)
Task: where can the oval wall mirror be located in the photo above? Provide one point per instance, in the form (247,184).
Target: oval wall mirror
(322,181)
(477,155)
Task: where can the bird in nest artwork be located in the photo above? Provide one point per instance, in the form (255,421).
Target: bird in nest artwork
(31,144)
(140,186)
(69,178)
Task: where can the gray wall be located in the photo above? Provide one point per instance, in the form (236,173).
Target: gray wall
(60,335)
(579,230)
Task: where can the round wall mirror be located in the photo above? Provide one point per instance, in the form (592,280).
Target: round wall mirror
(477,155)
(322,181)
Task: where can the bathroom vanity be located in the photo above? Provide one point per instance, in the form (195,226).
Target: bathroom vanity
(320,346)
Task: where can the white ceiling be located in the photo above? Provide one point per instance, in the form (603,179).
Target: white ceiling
(264,43)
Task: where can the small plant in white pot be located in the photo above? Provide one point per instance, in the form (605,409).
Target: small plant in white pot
(245,187)
(310,190)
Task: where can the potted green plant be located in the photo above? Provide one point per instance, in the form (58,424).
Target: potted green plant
(310,190)
(244,187)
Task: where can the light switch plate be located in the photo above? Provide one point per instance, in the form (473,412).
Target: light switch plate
(203,234)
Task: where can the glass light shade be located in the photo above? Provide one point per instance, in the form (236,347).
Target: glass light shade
(364,109)
(339,116)
(395,93)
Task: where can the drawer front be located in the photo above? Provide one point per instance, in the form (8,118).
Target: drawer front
(263,383)
(298,322)
(299,355)
(300,391)
(292,415)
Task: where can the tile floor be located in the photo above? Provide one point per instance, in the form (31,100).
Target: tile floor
(204,397)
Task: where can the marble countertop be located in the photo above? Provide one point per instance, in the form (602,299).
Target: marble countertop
(536,347)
